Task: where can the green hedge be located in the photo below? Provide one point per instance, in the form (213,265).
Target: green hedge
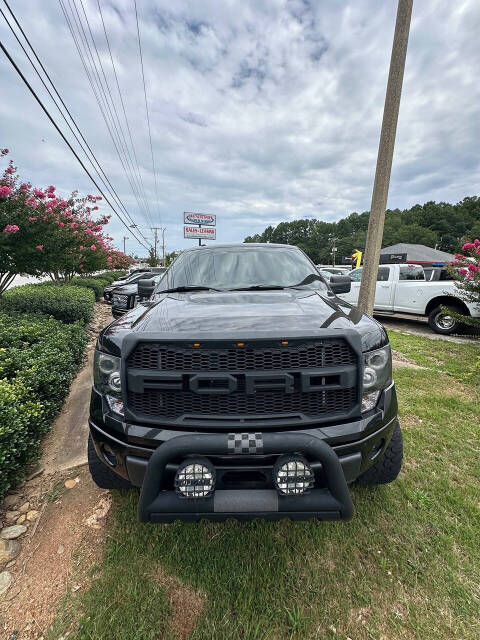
(39,358)
(63,302)
(97,285)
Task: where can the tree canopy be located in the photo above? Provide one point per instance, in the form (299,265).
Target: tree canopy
(435,224)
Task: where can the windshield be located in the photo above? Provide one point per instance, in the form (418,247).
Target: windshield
(241,268)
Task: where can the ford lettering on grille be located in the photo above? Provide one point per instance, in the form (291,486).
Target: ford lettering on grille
(310,380)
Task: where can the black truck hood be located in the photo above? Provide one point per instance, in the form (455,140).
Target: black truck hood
(189,315)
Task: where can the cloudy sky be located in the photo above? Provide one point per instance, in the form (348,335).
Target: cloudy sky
(260,110)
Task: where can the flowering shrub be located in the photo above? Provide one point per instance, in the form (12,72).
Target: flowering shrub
(466,271)
(38,359)
(41,233)
(63,302)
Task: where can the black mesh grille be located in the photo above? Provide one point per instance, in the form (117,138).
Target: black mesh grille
(169,404)
(153,356)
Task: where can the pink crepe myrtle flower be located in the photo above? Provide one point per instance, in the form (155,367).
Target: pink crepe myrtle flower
(11,228)
(478,250)
(109,259)
(31,202)
(24,186)
(93,247)
(60,224)
(38,193)
(462,272)
(10,170)
(468,245)
(73,225)
(5,191)
(75,233)
(476,242)
(473,268)
(32,219)
(39,247)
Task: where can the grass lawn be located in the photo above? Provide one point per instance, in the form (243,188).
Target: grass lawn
(407,565)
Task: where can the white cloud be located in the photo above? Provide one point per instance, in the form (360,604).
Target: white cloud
(260,111)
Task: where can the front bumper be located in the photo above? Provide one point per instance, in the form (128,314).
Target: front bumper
(158,504)
(338,454)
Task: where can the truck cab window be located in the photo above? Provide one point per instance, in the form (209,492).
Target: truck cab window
(412,272)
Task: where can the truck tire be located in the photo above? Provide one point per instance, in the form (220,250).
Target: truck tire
(387,468)
(101,474)
(440,321)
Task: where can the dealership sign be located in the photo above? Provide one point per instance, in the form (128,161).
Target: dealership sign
(199,218)
(199,232)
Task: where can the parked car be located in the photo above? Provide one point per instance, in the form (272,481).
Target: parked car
(128,296)
(131,279)
(244,388)
(402,288)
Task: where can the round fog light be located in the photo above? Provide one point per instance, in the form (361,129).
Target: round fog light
(195,478)
(293,475)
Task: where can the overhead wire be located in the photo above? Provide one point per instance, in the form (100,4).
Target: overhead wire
(98,168)
(96,85)
(146,108)
(121,98)
(49,116)
(115,120)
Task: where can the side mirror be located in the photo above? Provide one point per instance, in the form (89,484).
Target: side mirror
(340,284)
(145,287)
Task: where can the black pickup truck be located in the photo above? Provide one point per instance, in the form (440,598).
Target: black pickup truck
(244,388)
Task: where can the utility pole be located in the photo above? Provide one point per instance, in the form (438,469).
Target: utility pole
(125,238)
(163,246)
(384,159)
(155,236)
(155,230)
(334,250)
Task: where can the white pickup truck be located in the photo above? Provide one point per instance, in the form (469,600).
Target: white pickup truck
(402,288)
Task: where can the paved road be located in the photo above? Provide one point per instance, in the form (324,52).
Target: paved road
(418,326)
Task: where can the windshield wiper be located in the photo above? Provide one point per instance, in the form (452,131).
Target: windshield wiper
(184,288)
(259,287)
(273,287)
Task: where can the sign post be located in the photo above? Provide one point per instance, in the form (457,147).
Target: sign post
(199,225)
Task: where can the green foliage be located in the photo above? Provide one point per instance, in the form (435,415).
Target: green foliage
(39,357)
(63,302)
(433,224)
(97,285)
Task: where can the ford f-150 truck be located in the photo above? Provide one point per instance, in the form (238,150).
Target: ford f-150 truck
(244,387)
(402,288)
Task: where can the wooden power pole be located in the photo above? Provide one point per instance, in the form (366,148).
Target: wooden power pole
(384,158)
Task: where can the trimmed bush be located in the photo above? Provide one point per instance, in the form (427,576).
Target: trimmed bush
(63,302)
(97,285)
(39,358)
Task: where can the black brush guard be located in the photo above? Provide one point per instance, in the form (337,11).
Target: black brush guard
(159,505)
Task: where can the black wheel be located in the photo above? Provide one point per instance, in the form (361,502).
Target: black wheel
(387,468)
(104,477)
(441,321)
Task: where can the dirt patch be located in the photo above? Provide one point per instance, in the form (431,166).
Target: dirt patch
(399,360)
(187,604)
(69,528)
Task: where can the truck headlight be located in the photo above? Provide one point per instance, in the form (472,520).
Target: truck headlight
(377,375)
(106,373)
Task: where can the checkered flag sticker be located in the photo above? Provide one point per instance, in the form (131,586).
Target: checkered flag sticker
(249,443)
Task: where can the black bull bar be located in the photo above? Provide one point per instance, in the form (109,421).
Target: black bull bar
(332,502)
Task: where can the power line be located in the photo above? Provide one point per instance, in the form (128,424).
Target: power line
(125,147)
(146,106)
(47,113)
(121,100)
(100,172)
(100,95)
